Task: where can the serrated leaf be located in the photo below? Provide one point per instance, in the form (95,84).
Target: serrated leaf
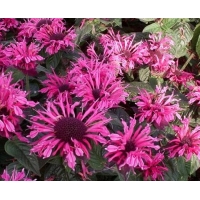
(169,22)
(134,88)
(146,20)
(55,173)
(177,170)
(97,160)
(153,28)
(85,30)
(193,164)
(144,74)
(182,34)
(195,37)
(198,47)
(21,151)
(16,74)
(40,68)
(53,61)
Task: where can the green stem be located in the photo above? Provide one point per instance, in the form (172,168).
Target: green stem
(186,63)
(28,86)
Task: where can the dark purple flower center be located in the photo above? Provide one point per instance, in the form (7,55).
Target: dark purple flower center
(69,127)
(4,111)
(57,36)
(42,22)
(129,146)
(64,87)
(127,53)
(187,141)
(96,93)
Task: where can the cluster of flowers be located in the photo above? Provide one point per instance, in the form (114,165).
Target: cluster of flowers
(74,112)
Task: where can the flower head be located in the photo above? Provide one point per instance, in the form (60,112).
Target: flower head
(55,85)
(194,93)
(66,132)
(23,56)
(31,26)
(55,38)
(187,141)
(155,168)
(15,176)
(157,107)
(100,84)
(12,102)
(123,51)
(160,57)
(131,148)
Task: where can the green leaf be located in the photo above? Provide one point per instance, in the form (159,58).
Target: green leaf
(144,74)
(40,68)
(34,89)
(56,173)
(97,160)
(81,33)
(146,20)
(195,37)
(53,61)
(182,34)
(198,47)
(169,22)
(194,164)
(21,151)
(153,28)
(16,74)
(134,88)
(177,170)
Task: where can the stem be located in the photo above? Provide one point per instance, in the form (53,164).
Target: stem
(28,86)
(186,63)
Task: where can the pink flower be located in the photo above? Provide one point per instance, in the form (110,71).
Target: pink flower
(55,38)
(178,77)
(4,61)
(98,83)
(160,57)
(187,141)
(194,93)
(155,168)
(55,85)
(12,102)
(23,56)
(131,148)
(157,107)
(15,176)
(10,23)
(31,26)
(65,130)
(123,51)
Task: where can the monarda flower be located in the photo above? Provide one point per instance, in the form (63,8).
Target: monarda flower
(99,85)
(123,51)
(55,85)
(15,176)
(160,57)
(178,77)
(194,93)
(154,168)
(131,148)
(157,107)
(186,142)
(12,102)
(23,56)
(4,61)
(9,23)
(31,26)
(64,131)
(54,38)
